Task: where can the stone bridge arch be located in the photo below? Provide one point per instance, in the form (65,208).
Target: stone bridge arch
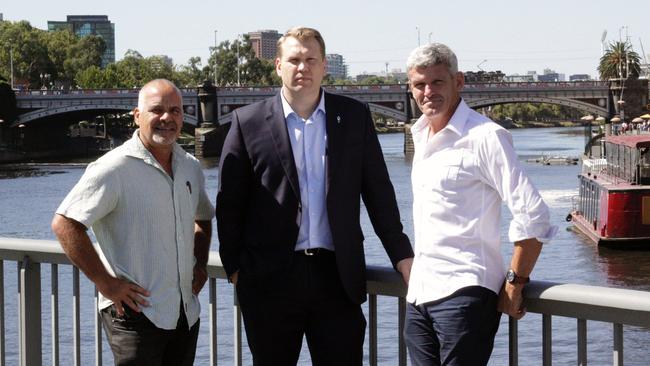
(41,113)
(387,111)
(577,104)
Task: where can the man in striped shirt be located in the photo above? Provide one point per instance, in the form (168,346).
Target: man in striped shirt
(148,208)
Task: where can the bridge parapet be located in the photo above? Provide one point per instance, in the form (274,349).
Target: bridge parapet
(390,100)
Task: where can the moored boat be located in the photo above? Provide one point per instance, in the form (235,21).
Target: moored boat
(613,205)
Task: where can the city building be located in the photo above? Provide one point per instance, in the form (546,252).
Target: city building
(530,77)
(645,69)
(398,75)
(336,67)
(1,17)
(579,77)
(264,43)
(83,25)
(551,76)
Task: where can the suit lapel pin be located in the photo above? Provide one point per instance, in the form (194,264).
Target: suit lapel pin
(338,120)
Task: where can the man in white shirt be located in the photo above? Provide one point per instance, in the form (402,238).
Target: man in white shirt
(464,167)
(148,208)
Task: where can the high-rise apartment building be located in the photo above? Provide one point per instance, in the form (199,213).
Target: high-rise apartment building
(264,43)
(83,25)
(336,67)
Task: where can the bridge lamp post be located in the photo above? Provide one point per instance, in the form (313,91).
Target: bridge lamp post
(621,109)
(11,62)
(238,61)
(216,64)
(44,79)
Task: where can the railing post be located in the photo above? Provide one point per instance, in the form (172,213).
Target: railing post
(401,315)
(30,313)
(547,340)
(2,312)
(54,297)
(76,322)
(98,331)
(237,328)
(372,329)
(513,342)
(582,342)
(618,345)
(212,284)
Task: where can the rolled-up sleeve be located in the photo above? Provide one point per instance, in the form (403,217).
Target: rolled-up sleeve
(501,170)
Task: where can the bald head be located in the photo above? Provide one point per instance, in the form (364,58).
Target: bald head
(157,85)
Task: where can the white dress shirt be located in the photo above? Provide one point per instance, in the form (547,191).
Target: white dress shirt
(144,223)
(460,177)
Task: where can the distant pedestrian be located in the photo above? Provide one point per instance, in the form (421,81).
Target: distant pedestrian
(147,205)
(464,167)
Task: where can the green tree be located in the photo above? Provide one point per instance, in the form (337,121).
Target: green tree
(252,71)
(58,49)
(620,61)
(191,74)
(30,58)
(82,54)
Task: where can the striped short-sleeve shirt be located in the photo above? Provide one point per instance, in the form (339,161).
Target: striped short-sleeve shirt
(143,220)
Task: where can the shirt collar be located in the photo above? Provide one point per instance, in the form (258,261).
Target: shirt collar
(286,107)
(456,123)
(135,148)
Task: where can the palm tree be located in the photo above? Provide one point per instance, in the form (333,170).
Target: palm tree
(619,62)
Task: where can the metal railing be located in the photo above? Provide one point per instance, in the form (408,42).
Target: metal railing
(616,306)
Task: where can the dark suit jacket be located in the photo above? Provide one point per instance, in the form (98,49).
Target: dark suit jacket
(258,203)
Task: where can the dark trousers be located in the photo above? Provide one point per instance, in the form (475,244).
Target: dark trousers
(135,340)
(309,300)
(458,330)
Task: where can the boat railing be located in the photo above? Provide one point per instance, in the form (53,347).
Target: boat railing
(594,166)
(619,307)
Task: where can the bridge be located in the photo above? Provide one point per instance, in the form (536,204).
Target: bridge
(389,100)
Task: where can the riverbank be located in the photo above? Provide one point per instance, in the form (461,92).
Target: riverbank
(504,124)
(537,124)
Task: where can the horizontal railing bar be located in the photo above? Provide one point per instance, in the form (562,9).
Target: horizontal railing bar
(613,305)
(606,304)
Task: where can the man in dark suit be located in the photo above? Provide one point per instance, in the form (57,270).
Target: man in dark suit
(292,170)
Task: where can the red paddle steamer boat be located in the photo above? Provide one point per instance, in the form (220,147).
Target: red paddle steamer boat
(613,205)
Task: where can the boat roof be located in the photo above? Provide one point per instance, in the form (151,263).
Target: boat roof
(634,141)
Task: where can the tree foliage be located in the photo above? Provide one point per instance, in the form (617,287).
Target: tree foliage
(36,53)
(620,61)
(533,112)
(251,70)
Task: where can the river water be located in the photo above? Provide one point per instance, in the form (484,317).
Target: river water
(28,199)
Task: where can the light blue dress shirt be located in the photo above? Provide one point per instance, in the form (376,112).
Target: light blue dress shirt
(309,145)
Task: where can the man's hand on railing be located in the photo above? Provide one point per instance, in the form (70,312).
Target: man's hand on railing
(511,300)
(200,276)
(122,292)
(233,279)
(404,267)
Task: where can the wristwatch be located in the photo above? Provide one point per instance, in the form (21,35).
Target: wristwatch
(512,277)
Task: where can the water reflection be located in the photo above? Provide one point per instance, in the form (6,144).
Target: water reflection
(626,268)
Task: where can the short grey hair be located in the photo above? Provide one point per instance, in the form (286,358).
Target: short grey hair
(432,54)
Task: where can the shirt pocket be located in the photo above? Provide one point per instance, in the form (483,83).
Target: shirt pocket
(440,172)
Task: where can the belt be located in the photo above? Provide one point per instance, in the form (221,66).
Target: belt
(313,252)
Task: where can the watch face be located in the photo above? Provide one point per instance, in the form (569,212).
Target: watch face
(510,276)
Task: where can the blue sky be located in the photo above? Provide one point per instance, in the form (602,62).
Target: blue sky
(512,36)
